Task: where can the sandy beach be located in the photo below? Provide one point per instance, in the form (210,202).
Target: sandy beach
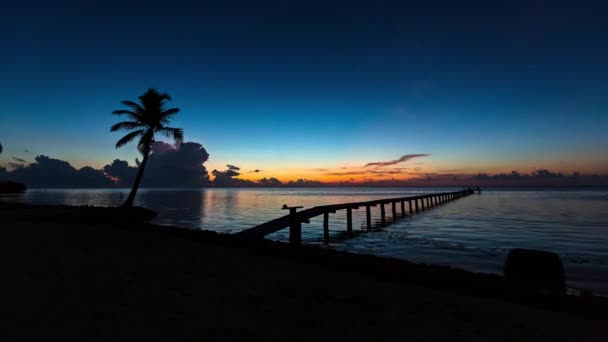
(102,282)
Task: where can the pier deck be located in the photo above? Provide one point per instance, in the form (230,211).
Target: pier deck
(295,218)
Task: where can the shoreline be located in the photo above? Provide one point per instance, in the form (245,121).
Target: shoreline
(96,274)
(445,277)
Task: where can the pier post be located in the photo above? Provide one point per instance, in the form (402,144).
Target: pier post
(368,218)
(416,203)
(295,226)
(409,204)
(422,204)
(402,208)
(326,227)
(382,214)
(394,207)
(349,221)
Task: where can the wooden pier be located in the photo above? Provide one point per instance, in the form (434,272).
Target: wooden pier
(295,219)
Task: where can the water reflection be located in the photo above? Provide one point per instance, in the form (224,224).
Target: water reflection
(179,207)
(473,233)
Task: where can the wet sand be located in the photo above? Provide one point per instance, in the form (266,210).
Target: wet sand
(99,282)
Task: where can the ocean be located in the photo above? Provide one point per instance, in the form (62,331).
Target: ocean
(474,233)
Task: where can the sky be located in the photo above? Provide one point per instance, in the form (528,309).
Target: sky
(315,89)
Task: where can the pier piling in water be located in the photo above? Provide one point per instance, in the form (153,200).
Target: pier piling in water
(368,218)
(382,214)
(349,221)
(394,207)
(295,219)
(326,227)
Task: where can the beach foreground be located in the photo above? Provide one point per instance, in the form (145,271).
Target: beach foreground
(101,282)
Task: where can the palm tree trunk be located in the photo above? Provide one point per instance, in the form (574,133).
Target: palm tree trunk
(140,173)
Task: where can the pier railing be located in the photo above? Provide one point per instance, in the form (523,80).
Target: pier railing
(295,218)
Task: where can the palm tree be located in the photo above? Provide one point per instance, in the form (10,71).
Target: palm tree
(147,118)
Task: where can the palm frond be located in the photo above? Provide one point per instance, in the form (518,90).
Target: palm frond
(126,125)
(166,115)
(131,114)
(177,134)
(134,106)
(129,137)
(164,96)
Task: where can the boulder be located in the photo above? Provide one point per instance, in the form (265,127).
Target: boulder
(529,269)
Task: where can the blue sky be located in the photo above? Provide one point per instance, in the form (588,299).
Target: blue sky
(294,86)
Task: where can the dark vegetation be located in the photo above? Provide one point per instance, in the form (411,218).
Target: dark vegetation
(11,187)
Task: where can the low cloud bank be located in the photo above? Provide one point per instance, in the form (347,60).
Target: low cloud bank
(168,166)
(183,166)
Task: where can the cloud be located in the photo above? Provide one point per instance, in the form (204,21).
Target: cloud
(55,173)
(227,178)
(168,166)
(179,165)
(397,161)
(22,161)
(255,171)
(121,173)
(270,182)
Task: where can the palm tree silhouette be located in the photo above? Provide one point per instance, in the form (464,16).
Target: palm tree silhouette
(148,118)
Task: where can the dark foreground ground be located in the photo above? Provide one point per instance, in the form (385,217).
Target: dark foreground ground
(98,283)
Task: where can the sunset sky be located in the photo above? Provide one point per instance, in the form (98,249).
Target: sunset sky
(315,89)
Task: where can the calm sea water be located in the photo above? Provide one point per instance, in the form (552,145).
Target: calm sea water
(473,233)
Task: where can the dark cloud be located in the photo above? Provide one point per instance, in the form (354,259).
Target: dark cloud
(304,183)
(121,173)
(54,173)
(255,171)
(22,161)
(515,175)
(270,182)
(168,166)
(176,166)
(397,161)
(227,178)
